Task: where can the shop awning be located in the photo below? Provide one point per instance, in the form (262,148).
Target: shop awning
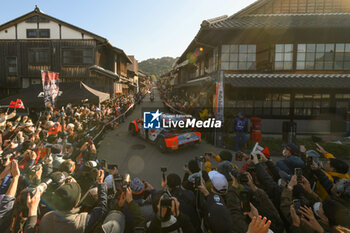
(73,93)
(340,81)
(196,82)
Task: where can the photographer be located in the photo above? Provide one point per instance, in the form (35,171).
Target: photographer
(168,217)
(217,215)
(292,160)
(261,175)
(7,200)
(186,198)
(66,217)
(129,207)
(298,194)
(333,171)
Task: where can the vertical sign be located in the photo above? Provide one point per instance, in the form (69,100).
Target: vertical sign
(50,87)
(219,108)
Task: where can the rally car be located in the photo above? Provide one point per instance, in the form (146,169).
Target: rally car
(166,139)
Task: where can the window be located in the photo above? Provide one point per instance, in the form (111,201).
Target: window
(36,19)
(38,33)
(323,57)
(39,57)
(284,57)
(77,56)
(342,57)
(238,57)
(11,65)
(311,104)
(116,65)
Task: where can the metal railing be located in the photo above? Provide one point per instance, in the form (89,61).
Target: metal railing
(115,119)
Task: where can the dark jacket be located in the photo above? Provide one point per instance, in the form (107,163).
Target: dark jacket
(233,203)
(268,184)
(181,224)
(187,202)
(72,221)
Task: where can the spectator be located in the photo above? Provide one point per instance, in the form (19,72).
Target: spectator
(291,159)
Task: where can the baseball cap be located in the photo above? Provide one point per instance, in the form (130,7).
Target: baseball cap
(137,186)
(67,196)
(294,149)
(219,181)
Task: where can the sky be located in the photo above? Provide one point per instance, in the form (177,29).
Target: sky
(144,28)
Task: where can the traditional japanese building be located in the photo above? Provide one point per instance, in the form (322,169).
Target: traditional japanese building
(37,41)
(280,60)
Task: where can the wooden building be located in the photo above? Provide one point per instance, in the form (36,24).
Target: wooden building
(37,41)
(281,60)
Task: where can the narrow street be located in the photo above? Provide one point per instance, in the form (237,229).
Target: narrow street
(140,158)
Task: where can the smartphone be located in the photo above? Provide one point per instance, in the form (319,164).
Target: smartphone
(297,204)
(245,201)
(299,173)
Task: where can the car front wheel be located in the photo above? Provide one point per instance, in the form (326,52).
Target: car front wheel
(132,129)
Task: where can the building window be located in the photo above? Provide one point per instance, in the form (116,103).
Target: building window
(37,19)
(284,56)
(323,57)
(116,65)
(77,56)
(342,57)
(11,65)
(38,33)
(39,57)
(238,57)
(311,104)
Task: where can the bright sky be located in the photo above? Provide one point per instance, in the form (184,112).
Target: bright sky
(144,28)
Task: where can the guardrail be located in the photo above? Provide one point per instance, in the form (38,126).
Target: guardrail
(118,117)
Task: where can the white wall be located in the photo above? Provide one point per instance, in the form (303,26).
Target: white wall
(10,34)
(66,32)
(22,29)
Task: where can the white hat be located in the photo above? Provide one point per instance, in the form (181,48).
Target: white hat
(218,180)
(70,126)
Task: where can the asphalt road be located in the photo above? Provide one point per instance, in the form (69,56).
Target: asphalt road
(142,159)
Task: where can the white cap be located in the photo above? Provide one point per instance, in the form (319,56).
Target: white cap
(70,126)
(218,180)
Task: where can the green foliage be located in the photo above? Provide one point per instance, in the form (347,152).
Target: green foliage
(156,67)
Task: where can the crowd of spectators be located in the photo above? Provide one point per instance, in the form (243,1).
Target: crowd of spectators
(52,180)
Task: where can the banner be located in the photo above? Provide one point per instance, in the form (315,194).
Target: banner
(50,87)
(219,101)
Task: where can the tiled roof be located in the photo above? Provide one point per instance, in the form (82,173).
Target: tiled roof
(289,80)
(283,21)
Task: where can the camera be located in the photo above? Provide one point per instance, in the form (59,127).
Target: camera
(239,156)
(243,178)
(197,181)
(41,187)
(165,200)
(245,200)
(163,169)
(126,182)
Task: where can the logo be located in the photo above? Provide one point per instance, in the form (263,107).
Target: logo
(151,120)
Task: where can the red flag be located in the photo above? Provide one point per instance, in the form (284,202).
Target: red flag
(19,104)
(12,104)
